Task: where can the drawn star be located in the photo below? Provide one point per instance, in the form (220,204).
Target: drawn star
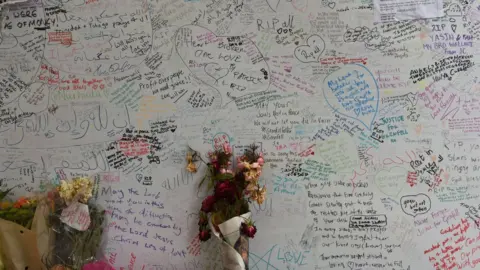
(264,260)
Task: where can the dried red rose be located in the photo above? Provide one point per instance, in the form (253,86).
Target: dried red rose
(207,204)
(248,229)
(225,190)
(202,221)
(204,235)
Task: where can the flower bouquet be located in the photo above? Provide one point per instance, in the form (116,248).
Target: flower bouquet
(78,226)
(226,212)
(24,235)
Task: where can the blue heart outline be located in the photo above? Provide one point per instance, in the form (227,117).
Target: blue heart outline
(336,110)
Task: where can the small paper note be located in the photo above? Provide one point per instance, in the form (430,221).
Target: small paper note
(400,10)
(77,216)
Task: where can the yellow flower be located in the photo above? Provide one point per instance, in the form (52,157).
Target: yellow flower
(5,205)
(63,185)
(251,175)
(259,195)
(246,165)
(65,190)
(81,186)
(84,187)
(254,195)
(85,197)
(191,167)
(251,187)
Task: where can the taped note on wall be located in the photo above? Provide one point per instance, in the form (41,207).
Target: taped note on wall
(400,10)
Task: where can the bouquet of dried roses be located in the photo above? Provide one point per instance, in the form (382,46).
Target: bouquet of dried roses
(226,212)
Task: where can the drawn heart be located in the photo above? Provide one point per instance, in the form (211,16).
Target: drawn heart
(353,82)
(454,28)
(273,4)
(300,5)
(215,71)
(391,182)
(412,98)
(227,64)
(173,129)
(311,52)
(331,5)
(8,41)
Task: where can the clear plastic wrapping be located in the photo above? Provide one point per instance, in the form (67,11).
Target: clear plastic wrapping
(58,230)
(77,225)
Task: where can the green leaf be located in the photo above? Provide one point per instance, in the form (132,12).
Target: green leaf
(225,176)
(210,184)
(203,180)
(208,175)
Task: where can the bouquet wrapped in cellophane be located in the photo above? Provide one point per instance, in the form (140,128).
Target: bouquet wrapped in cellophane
(57,231)
(78,227)
(226,212)
(24,234)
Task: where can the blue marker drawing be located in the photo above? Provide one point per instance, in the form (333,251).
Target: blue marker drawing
(264,261)
(353,92)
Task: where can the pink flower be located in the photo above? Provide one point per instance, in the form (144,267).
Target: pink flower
(228,171)
(240,165)
(261,161)
(227,148)
(260,154)
(99,265)
(255,165)
(223,171)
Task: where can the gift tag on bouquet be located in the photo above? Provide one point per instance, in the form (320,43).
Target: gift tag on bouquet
(77,216)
